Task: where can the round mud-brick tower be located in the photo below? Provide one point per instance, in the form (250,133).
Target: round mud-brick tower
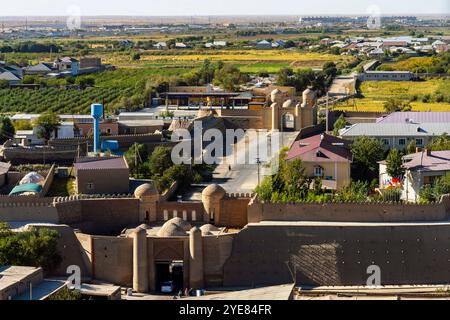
(140,264)
(276,96)
(196,280)
(212,197)
(148,196)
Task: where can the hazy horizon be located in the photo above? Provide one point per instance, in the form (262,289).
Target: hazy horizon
(181,8)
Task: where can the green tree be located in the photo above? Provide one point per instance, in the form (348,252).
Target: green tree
(7,129)
(229,77)
(396,105)
(22,125)
(366,153)
(339,124)
(394,164)
(296,183)
(160,161)
(355,191)
(34,247)
(47,123)
(440,143)
(4,84)
(136,156)
(411,147)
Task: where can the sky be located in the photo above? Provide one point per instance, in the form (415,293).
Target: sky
(219,7)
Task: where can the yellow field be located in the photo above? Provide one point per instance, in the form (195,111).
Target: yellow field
(246,60)
(377,92)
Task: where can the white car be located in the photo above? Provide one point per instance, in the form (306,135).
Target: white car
(167,287)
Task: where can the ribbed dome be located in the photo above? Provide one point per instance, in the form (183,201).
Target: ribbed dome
(208,229)
(145,190)
(170,229)
(214,190)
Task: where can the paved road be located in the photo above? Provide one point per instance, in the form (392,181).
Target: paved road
(243,177)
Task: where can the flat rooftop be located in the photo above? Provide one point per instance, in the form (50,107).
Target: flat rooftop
(345,224)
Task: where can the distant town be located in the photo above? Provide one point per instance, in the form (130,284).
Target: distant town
(225,158)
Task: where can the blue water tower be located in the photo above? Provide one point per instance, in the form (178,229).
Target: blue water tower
(97,114)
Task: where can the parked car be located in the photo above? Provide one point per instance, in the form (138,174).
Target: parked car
(167,287)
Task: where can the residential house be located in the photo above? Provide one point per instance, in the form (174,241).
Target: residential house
(161,46)
(416,117)
(397,135)
(421,168)
(65,63)
(102,175)
(386,76)
(180,45)
(32,137)
(324,156)
(394,43)
(9,76)
(264,45)
(41,68)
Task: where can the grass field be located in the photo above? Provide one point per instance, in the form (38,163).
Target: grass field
(377,92)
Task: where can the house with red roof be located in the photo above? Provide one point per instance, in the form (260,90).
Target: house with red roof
(324,156)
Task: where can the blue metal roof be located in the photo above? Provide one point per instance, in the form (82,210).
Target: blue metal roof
(27,187)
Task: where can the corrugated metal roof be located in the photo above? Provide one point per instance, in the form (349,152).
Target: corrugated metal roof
(396,129)
(416,117)
(436,161)
(101,163)
(28,187)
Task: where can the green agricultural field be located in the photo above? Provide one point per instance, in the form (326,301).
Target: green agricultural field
(430,95)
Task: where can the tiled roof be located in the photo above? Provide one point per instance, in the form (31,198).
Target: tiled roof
(320,148)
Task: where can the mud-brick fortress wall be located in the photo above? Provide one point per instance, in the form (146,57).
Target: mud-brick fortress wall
(334,254)
(333,244)
(359,212)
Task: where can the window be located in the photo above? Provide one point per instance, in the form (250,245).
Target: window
(184,215)
(385,142)
(402,142)
(166,215)
(90,186)
(318,172)
(175,213)
(419,142)
(108,130)
(194,215)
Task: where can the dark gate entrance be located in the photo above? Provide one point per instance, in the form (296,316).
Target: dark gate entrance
(169,271)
